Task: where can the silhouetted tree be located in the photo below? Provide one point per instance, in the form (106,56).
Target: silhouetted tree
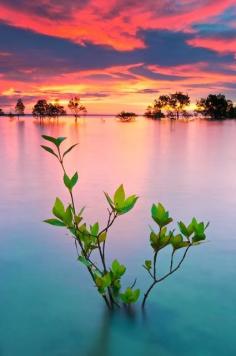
(40,109)
(154,112)
(215,107)
(55,110)
(231,114)
(20,108)
(126,116)
(76,108)
(1,112)
(178,102)
(173,104)
(59,108)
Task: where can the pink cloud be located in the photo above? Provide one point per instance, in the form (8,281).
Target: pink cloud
(114,23)
(222,45)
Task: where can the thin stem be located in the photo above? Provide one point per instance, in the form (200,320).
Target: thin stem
(104,243)
(105,270)
(147,293)
(155,258)
(172,260)
(102,252)
(177,267)
(109,305)
(149,273)
(154,265)
(76,247)
(133,284)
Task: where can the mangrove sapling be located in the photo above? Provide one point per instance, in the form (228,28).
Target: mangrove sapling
(91,239)
(189,236)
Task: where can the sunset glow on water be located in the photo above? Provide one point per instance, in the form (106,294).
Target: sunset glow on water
(50,306)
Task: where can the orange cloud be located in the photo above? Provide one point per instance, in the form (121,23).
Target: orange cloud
(223,45)
(113,23)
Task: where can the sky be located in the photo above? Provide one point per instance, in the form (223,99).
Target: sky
(117,54)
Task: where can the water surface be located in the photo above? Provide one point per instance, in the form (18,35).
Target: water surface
(46,305)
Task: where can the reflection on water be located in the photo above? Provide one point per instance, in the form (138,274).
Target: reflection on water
(46,305)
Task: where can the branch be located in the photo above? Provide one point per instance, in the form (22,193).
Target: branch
(155,281)
(177,267)
(172,260)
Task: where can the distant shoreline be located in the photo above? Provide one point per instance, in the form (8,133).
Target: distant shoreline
(192,118)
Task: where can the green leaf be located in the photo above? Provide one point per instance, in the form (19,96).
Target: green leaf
(161,239)
(136,294)
(102,237)
(69,149)
(119,196)
(78,219)
(183,228)
(115,265)
(154,240)
(68,216)
(49,149)
(178,242)
(158,210)
(59,140)
(84,260)
(70,183)
(110,202)
(200,237)
(56,140)
(74,179)
(81,211)
(107,280)
(198,229)
(117,269)
(50,138)
(94,229)
(130,296)
(160,215)
(116,286)
(66,181)
(58,209)
(54,222)
(103,282)
(148,264)
(128,204)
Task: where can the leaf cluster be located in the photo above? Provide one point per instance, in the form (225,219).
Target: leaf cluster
(120,204)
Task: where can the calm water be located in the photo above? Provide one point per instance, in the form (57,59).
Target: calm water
(46,305)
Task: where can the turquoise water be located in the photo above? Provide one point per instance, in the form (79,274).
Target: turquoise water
(46,305)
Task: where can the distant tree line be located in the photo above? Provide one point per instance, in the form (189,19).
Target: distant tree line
(174,106)
(43,109)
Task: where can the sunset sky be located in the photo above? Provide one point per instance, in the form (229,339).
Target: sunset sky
(116,54)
